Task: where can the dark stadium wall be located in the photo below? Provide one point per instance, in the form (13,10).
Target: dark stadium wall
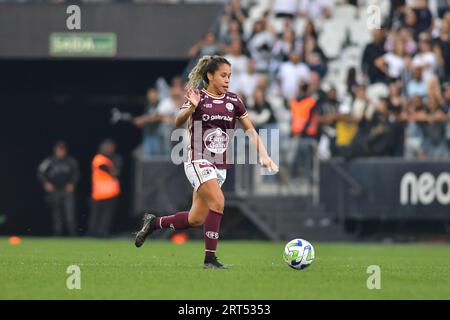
(142,31)
(43,101)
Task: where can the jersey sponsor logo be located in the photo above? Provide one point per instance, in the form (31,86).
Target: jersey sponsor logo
(220,117)
(229,106)
(217,101)
(212,235)
(217,141)
(232,99)
(207,117)
(208,105)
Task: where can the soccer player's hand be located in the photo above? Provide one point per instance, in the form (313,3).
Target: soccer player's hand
(268,163)
(193,96)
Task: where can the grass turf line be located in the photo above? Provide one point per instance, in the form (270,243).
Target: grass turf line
(115,269)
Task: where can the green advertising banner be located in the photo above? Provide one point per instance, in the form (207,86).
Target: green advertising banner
(80,44)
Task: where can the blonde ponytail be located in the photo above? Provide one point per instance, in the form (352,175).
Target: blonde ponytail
(198,78)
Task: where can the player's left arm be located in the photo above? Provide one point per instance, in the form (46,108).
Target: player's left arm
(264,158)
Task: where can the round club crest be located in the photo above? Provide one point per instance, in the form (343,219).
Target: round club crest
(217,141)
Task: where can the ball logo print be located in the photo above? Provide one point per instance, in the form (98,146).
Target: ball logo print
(298,254)
(205,117)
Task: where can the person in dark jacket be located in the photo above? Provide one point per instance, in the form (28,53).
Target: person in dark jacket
(59,175)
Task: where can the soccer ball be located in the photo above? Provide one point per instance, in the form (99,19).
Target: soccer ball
(298,254)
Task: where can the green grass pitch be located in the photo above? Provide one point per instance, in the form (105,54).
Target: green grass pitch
(115,269)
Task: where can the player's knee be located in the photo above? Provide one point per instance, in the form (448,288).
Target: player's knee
(195,221)
(217,204)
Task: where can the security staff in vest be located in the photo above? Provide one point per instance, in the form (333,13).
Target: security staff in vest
(59,175)
(105,189)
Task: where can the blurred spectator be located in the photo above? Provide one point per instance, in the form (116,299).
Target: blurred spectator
(413,134)
(424,18)
(234,11)
(404,35)
(239,64)
(441,46)
(425,57)
(59,175)
(361,108)
(232,33)
(393,64)
(314,9)
(446,107)
(354,124)
(434,143)
(260,111)
(314,56)
(285,8)
(416,86)
(310,30)
(351,81)
(328,111)
(396,14)
(292,73)
(207,46)
(372,52)
(443,6)
(396,102)
(283,46)
(377,136)
(260,46)
(410,20)
(434,90)
(168,109)
(304,114)
(248,81)
(304,130)
(150,122)
(106,166)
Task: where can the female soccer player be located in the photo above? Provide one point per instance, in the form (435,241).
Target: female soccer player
(212,111)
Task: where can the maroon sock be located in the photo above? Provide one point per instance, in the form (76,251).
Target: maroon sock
(211,232)
(178,221)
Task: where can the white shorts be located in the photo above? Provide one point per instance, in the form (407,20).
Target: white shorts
(200,171)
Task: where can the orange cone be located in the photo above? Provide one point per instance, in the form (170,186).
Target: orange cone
(14,240)
(179,238)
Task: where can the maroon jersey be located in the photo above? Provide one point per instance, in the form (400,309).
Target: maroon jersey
(215,117)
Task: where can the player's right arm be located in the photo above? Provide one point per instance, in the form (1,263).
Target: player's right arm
(193,99)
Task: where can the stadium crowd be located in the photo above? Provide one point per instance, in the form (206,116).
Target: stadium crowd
(395,100)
